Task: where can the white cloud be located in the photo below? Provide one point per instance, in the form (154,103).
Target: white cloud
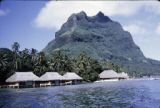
(3,12)
(54,14)
(152,7)
(135,29)
(158,30)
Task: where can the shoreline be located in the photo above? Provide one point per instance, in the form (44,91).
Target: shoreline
(98,81)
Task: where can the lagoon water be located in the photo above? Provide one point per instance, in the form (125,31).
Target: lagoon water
(122,94)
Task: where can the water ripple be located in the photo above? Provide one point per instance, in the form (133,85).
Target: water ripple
(123,94)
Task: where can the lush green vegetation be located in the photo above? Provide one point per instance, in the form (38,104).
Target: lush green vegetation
(87,67)
(39,63)
(6,63)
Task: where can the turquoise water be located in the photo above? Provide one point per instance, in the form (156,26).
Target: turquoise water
(122,94)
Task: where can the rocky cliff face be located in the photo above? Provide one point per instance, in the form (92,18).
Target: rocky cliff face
(102,39)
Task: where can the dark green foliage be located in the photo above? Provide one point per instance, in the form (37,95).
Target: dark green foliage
(87,67)
(3,61)
(16,60)
(6,63)
(31,60)
(60,62)
(110,65)
(25,60)
(41,65)
(34,55)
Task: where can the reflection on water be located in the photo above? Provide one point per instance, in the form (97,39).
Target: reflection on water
(123,94)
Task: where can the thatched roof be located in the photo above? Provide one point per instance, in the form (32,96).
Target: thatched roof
(22,76)
(49,76)
(108,74)
(71,76)
(123,75)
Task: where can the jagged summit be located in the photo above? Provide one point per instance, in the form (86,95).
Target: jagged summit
(78,16)
(101,17)
(100,14)
(78,20)
(82,13)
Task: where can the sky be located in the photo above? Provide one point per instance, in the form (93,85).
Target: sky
(33,23)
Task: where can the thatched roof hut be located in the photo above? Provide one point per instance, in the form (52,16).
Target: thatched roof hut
(72,76)
(51,76)
(108,74)
(22,77)
(123,75)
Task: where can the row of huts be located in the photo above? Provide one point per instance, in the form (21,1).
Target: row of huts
(29,79)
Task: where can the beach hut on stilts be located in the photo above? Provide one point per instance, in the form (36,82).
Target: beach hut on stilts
(109,75)
(72,78)
(51,79)
(22,79)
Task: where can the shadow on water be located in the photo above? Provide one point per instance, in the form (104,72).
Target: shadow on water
(124,94)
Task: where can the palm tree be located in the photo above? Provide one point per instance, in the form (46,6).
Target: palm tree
(114,66)
(33,54)
(87,67)
(3,62)
(60,62)
(15,48)
(33,57)
(82,65)
(4,67)
(68,65)
(41,65)
(25,60)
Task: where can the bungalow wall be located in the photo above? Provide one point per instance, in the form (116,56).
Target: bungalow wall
(50,83)
(69,82)
(27,84)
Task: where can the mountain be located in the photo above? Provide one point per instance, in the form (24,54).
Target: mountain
(102,39)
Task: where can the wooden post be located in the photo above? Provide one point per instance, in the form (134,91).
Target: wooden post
(50,83)
(33,84)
